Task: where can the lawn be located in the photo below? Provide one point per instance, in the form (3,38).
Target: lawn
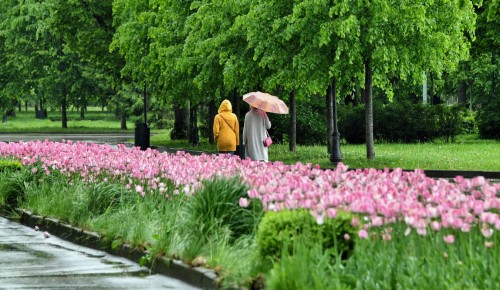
(468,152)
(96,121)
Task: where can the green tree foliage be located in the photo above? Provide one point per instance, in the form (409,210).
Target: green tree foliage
(385,38)
(87,30)
(54,47)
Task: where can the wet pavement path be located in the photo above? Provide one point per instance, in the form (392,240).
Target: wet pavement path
(29,260)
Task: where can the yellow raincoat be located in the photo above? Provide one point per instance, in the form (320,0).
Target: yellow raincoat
(226,128)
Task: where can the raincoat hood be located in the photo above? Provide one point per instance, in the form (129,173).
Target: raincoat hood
(225,106)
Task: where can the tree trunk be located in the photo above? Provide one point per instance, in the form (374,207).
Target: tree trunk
(123,120)
(462,93)
(493,76)
(82,108)
(181,122)
(64,113)
(370,144)
(237,104)
(212,111)
(329,118)
(194,138)
(293,123)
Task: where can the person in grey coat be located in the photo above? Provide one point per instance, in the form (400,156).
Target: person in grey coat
(254,132)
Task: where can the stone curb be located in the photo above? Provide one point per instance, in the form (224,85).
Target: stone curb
(197,276)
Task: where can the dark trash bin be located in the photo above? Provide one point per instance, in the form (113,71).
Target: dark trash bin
(41,114)
(142,134)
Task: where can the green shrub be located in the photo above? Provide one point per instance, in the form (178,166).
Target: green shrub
(468,123)
(11,182)
(308,267)
(488,120)
(351,122)
(311,123)
(103,196)
(10,165)
(404,121)
(278,229)
(216,206)
(11,187)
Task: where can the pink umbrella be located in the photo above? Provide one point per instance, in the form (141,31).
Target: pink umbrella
(266,102)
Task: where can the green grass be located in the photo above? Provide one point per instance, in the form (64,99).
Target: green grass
(159,225)
(95,121)
(405,262)
(165,227)
(467,153)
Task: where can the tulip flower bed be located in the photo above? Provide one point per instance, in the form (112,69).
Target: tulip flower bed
(396,207)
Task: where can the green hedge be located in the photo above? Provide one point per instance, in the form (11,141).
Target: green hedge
(278,230)
(488,119)
(398,121)
(11,185)
(403,121)
(6,165)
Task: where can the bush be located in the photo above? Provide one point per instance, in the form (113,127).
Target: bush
(404,121)
(102,196)
(283,229)
(311,123)
(216,206)
(9,165)
(11,189)
(488,120)
(351,122)
(309,267)
(468,123)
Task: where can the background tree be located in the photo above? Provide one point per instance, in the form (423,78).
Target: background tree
(386,38)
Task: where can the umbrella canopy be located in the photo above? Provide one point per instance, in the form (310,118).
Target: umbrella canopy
(266,102)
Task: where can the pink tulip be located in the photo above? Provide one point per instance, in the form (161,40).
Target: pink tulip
(435,225)
(486,231)
(244,202)
(331,213)
(449,239)
(363,234)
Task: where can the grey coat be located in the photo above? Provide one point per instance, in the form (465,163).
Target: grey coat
(254,133)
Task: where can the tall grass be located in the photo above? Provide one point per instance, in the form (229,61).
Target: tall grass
(405,262)
(210,224)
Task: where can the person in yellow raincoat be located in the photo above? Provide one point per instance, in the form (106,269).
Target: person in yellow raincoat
(226,129)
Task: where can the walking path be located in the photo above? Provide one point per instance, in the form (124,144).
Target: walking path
(29,260)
